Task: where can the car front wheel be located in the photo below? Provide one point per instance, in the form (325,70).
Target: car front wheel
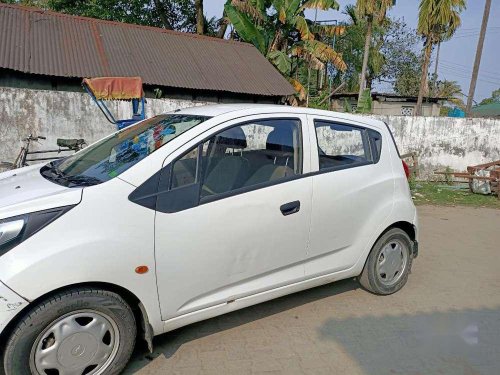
(81,331)
(389,263)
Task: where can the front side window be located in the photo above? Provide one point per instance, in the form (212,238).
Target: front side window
(115,154)
(243,156)
(342,145)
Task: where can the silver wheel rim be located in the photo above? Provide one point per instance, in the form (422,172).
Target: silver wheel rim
(391,263)
(80,343)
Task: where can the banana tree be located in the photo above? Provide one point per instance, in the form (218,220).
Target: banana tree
(280,30)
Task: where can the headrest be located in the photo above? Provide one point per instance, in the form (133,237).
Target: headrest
(234,138)
(280,139)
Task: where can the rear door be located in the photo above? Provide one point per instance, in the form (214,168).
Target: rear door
(235,218)
(353,190)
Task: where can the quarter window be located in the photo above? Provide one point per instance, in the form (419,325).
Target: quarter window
(342,145)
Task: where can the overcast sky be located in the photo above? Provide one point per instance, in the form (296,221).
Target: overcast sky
(457,55)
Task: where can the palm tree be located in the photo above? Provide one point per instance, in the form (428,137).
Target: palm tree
(371,11)
(200,18)
(279,29)
(450,90)
(437,21)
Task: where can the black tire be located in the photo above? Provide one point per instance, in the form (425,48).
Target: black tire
(369,278)
(18,350)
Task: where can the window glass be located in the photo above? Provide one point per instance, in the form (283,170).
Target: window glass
(115,154)
(340,145)
(251,154)
(184,169)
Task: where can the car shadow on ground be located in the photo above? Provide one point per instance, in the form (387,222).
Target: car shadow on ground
(168,343)
(465,341)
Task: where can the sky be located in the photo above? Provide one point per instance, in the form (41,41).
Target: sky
(456,56)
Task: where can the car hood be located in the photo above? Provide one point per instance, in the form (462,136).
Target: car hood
(25,190)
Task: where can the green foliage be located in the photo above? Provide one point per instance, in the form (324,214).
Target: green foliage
(347,106)
(281,61)
(170,14)
(438,20)
(365,102)
(494,98)
(247,30)
(280,30)
(445,195)
(448,177)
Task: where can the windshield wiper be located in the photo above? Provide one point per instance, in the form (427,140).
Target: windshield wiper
(54,174)
(83,180)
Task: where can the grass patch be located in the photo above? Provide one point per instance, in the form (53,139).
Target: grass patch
(450,195)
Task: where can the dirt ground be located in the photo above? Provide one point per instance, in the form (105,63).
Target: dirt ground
(445,321)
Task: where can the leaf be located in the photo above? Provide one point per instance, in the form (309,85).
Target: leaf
(329,30)
(245,28)
(320,4)
(301,25)
(300,90)
(249,9)
(281,61)
(365,102)
(324,53)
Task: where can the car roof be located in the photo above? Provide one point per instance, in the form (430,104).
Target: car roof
(213,110)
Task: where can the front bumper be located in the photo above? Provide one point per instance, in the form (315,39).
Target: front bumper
(10,305)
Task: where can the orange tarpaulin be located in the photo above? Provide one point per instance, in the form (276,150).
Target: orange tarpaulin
(115,88)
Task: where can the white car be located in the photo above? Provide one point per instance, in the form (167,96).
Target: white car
(189,215)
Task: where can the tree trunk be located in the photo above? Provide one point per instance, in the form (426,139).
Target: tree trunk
(368,39)
(222,27)
(435,75)
(200,20)
(477,60)
(423,78)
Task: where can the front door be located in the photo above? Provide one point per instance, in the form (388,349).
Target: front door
(242,223)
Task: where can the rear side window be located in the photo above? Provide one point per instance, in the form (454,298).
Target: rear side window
(342,146)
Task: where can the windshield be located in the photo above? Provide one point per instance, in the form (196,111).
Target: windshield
(115,154)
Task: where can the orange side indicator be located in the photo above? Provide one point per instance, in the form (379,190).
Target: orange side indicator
(141,270)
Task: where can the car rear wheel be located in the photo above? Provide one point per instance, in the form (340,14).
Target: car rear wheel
(389,263)
(77,332)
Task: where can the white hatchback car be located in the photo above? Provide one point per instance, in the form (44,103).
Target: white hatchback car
(189,215)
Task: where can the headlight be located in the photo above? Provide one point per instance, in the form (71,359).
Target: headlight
(15,230)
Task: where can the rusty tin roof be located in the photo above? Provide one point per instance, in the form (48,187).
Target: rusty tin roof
(49,43)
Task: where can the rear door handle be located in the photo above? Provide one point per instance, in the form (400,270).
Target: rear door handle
(290,208)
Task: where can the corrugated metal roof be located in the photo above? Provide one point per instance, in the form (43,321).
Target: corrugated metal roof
(49,43)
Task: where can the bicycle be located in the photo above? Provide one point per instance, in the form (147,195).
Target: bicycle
(22,158)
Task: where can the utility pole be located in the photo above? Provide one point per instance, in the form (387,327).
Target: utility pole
(477,61)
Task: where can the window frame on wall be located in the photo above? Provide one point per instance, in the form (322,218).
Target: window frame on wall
(167,171)
(369,145)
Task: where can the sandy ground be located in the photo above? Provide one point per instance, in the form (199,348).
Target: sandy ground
(445,321)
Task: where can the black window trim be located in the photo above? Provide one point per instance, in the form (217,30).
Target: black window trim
(364,135)
(151,187)
(212,198)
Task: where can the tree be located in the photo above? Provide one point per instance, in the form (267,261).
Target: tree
(477,60)
(178,15)
(494,98)
(372,11)
(280,31)
(437,21)
(450,90)
(200,18)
